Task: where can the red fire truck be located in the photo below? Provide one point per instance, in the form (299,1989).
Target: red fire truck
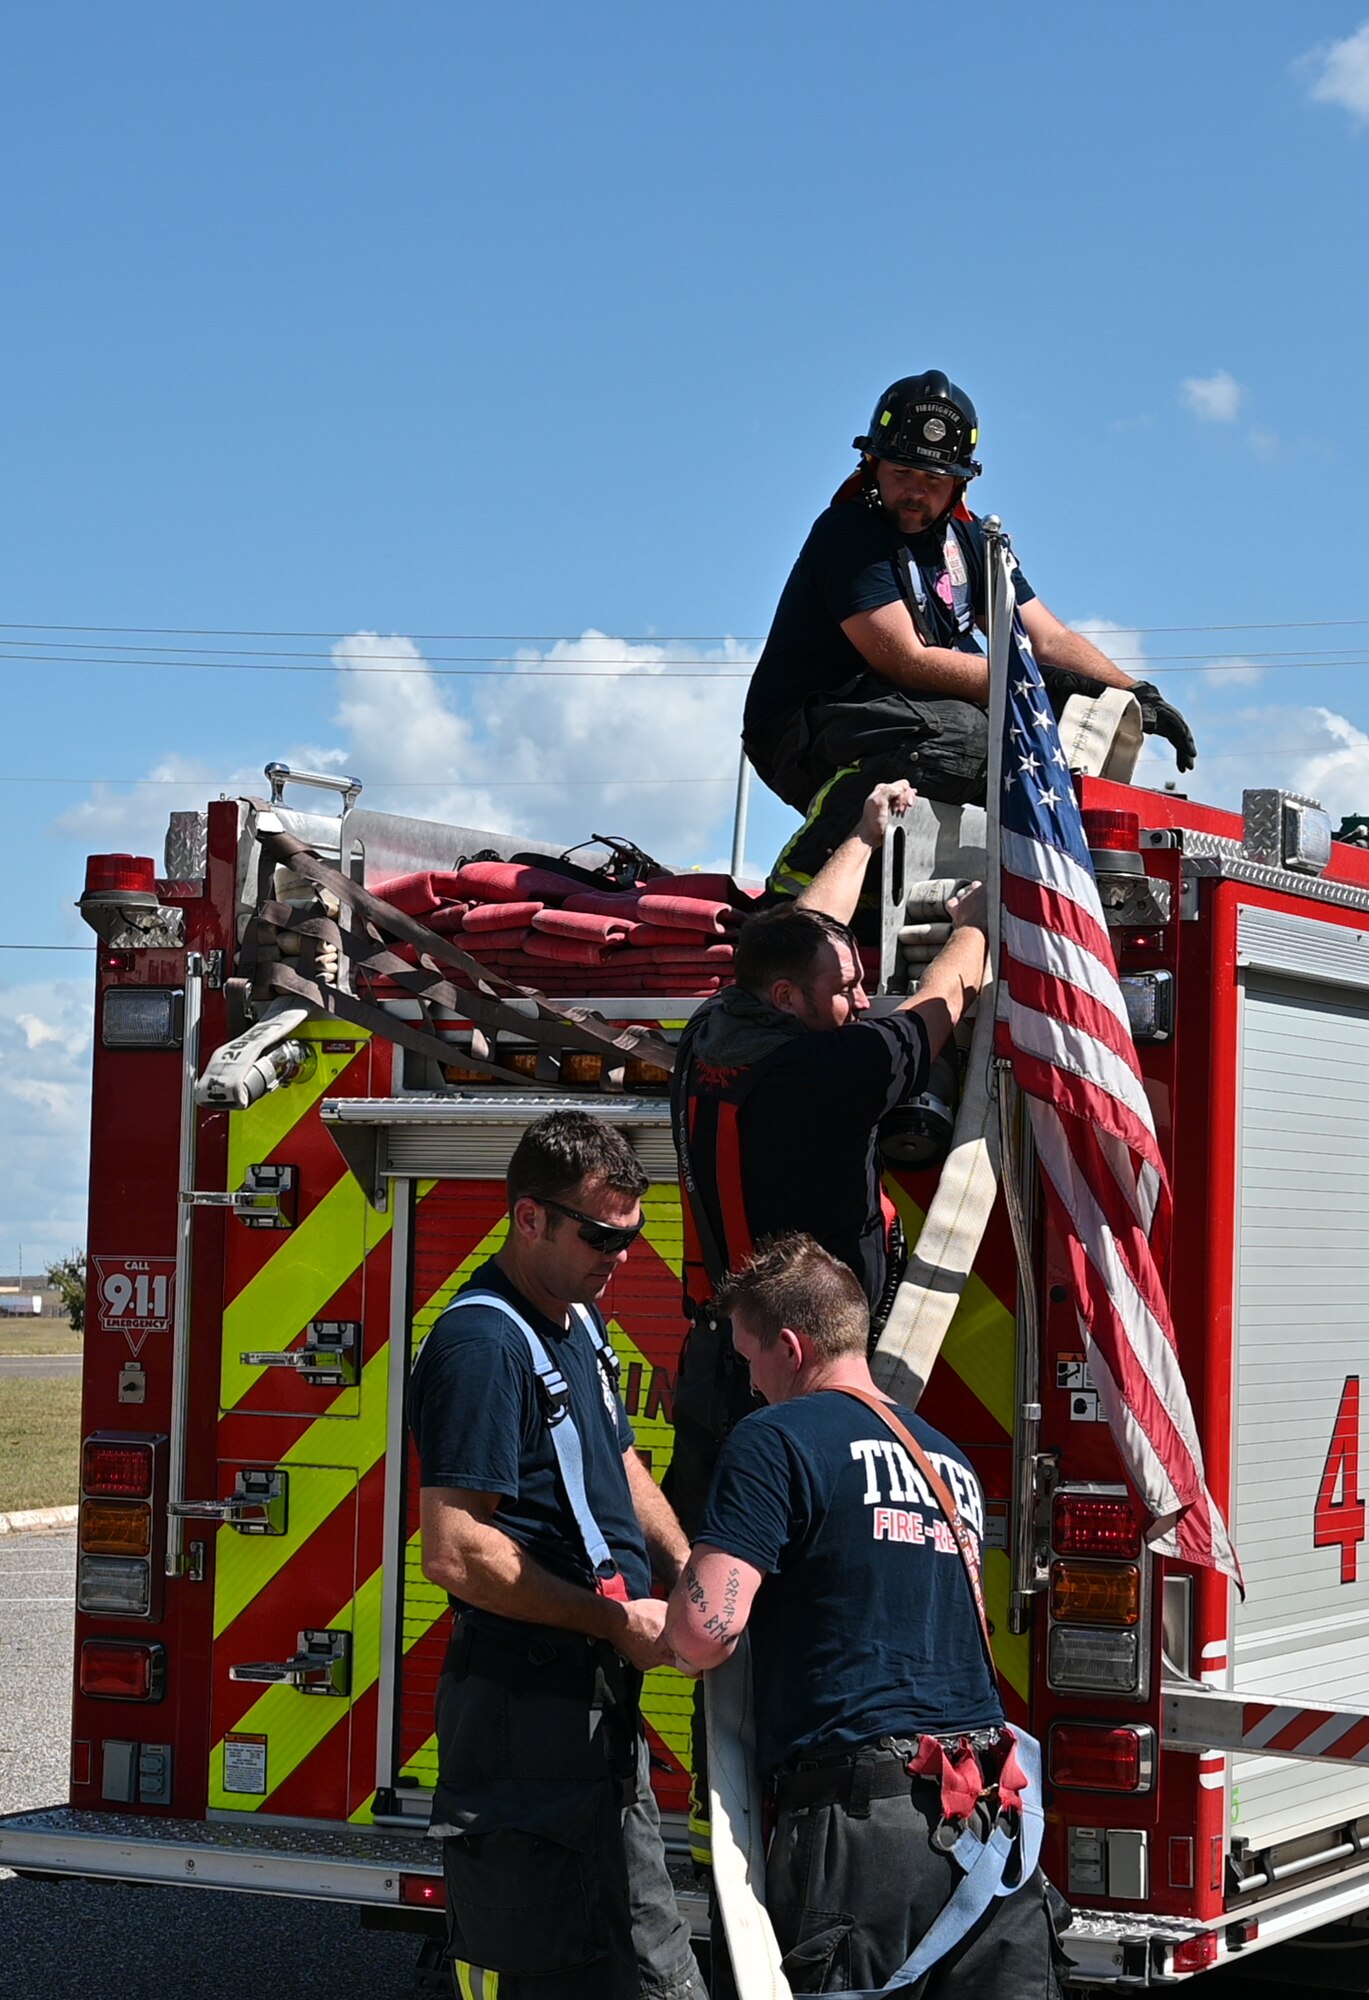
(284,1196)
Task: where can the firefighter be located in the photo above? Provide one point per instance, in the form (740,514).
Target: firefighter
(779,1088)
(544,1526)
(907,1816)
(872,669)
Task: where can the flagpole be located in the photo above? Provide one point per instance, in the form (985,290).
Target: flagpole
(999,610)
(1017,1156)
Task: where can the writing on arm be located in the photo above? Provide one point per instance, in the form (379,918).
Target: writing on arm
(709,1607)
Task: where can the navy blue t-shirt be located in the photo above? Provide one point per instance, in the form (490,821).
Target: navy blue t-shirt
(865,1624)
(478,1420)
(808,1137)
(847,565)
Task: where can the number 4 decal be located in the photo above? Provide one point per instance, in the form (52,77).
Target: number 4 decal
(1339,1522)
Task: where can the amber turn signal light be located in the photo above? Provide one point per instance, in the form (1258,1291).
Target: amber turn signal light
(115,1528)
(1085,1593)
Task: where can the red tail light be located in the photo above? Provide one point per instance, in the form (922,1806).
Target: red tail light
(1194,1953)
(1089,1757)
(117,1471)
(424,1892)
(1108,829)
(122,1670)
(1095,1524)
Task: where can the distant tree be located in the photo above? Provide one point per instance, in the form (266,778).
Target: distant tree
(67,1277)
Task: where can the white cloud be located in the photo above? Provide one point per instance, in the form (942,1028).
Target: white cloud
(594,735)
(45,1033)
(37,1031)
(601,755)
(1232,673)
(1338,774)
(1338,73)
(553,750)
(134,822)
(1314,751)
(1213,399)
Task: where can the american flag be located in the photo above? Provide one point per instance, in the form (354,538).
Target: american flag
(1063,1023)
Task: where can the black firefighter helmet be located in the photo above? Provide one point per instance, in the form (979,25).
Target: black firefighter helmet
(925,421)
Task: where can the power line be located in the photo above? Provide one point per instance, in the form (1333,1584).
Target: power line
(572,638)
(74,646)
(394,784)
(508,672)
(607,780)
(503,667)
(49,947)
(191,655)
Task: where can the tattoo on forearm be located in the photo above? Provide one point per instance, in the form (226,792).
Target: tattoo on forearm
(694,1590)
(720,1623)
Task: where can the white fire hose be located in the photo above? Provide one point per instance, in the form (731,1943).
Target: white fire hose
(923,1308)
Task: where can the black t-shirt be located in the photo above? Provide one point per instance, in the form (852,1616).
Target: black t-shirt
(477,1418)
(807,1135)
(865,1625)
(847,565)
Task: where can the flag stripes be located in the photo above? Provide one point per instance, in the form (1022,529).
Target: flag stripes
(1062,1025)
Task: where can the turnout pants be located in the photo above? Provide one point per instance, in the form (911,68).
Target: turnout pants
(557,1887)
(853,1885)
(825,760)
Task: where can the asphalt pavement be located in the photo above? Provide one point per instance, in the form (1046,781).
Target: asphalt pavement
(39,1364)
(65,1940)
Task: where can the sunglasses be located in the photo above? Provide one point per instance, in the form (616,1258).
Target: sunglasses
(598,1235)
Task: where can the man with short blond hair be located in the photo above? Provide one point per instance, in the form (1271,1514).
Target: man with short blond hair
(848,1544)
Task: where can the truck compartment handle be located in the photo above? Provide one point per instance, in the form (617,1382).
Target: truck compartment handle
(281,775)
(323,1665)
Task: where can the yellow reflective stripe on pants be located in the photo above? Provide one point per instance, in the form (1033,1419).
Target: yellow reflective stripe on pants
(475,1982)
(700,1825)
(792,882)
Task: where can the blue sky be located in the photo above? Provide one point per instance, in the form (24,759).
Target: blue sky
(547,329)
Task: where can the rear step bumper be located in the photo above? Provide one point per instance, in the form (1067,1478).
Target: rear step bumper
(332,1864)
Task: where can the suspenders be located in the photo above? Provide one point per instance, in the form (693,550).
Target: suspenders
(565,1439)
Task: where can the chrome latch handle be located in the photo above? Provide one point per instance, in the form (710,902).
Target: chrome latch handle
(323,1665)
(328,1358)
(267,1199)
(258,1504)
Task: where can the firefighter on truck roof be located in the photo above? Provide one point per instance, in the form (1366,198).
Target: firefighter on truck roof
(873,669)
(544,1526)
(846,1534)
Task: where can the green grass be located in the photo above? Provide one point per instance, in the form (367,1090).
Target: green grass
(40,1442)
(38,1336)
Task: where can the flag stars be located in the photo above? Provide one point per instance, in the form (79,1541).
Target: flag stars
(1029,765)
(1041,721)
(1050,797)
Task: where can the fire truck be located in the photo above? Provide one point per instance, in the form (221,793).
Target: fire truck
(300,1127)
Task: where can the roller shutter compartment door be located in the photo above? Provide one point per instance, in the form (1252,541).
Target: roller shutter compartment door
(1301,1354)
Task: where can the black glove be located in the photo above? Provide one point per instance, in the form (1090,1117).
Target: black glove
(1061,682)
(1160,718)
